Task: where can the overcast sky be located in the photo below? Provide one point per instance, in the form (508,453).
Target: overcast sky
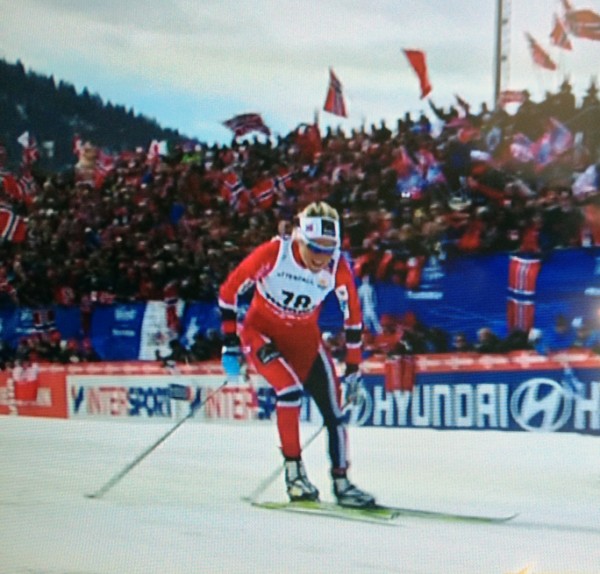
(190,64)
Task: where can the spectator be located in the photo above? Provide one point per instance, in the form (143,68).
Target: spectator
(6,356)
(535,338)
(178,354)
(69,352)
(200,350)
(561,335)
(585,336)
(87,353)
(460,343)
(487,341)
(388,341)
(517,340)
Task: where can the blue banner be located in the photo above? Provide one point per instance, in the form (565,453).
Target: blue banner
(455,294)
(116,330)
(524,400)
(467,293)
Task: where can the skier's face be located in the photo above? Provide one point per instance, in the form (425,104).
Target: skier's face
(317,254)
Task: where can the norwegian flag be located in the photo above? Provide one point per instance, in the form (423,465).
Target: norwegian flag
(243,124)
(27,187)
(334,101)
(539,55)
(559,36)
(417,60)
(30,150)
(582,23)
(235,193)
(282,179)
(12,227)
(18,189)
(264,194)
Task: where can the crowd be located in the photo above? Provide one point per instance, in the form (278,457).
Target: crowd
(171,226)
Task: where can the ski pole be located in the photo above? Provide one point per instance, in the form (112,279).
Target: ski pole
(121,474)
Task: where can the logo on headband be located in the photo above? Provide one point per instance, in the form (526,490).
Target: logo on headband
(315,227)
(328,228)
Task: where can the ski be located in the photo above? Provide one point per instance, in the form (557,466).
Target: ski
(376,514)
(449,516)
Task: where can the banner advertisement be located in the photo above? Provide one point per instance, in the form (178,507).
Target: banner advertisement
(37,391)
(513,392)
(516,392)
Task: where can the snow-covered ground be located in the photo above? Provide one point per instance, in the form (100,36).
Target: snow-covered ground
(180,509)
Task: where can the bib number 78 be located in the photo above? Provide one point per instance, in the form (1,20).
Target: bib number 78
(290,299)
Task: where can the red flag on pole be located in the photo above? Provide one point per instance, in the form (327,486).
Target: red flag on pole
(334,102)
(539,55)
(581,23)
(559,36)
(419,65)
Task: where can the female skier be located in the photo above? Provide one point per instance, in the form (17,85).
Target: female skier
(281,339)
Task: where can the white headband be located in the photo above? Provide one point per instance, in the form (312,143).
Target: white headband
(316,227)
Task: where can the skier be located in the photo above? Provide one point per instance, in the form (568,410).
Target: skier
(280,338)
(368,302)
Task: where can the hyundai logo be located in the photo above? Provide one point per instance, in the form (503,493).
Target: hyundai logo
(541,405)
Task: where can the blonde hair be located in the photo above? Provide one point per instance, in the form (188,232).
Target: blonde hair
(319,209)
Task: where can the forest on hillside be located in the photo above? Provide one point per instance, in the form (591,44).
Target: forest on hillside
(54,112)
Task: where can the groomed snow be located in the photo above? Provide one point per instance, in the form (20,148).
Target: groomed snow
(180,510)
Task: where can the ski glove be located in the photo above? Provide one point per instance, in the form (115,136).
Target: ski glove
(353,383)
(231,357)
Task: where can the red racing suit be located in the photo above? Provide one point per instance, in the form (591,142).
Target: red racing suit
(281,338)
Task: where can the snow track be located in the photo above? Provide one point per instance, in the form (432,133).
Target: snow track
(179,511)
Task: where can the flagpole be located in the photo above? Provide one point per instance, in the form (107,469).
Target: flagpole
(498,61)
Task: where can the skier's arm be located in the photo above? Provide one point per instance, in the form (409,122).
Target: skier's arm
(242,278)
(350,305)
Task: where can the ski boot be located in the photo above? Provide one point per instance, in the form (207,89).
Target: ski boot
(297,483)
(349,495)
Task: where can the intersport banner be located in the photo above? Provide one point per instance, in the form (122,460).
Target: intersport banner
(516,392)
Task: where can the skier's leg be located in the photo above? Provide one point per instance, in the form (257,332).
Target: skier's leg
(323,385)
